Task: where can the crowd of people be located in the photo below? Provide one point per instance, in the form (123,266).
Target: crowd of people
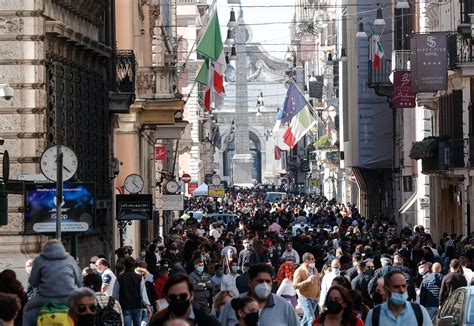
(300,260)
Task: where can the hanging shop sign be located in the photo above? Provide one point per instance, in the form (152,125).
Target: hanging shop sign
(77,208)
(403,96)
(134,207)
(429,62)
(160,153)
(216,191)
(171,203)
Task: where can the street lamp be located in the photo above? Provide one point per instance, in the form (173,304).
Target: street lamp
(361,33)
(379,21)
(402,4)
(232,22)
(343,57)
(230,37)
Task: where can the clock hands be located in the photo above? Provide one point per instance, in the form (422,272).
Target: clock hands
(65,168)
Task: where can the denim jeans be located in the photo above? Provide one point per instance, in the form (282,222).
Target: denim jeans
(432,311)
(308,305)
(132,317)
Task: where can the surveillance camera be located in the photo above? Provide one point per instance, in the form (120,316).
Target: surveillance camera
(6,91)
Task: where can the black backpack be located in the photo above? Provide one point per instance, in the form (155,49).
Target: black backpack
(107,316)
(416,308)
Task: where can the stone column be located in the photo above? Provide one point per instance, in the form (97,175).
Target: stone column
(242,172)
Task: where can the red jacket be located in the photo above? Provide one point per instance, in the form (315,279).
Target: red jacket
(159,284)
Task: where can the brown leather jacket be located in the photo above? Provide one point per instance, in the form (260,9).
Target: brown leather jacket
(306,287)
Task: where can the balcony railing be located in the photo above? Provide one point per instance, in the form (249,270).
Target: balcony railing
(459,50)
(401,60)
(451,154)
(157,82)
(125,66)
(380,77)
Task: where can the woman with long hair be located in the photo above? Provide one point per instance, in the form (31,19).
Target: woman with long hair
(285,281)
(338,309)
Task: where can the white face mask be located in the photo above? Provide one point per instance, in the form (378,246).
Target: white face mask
(263,290)
(312,265)
(92,266)
(28,270)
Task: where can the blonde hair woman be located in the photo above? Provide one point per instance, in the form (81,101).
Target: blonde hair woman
(220,300)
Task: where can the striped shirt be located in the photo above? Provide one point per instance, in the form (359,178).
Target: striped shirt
(430,288)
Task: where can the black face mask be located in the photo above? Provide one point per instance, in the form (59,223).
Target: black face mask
(333,307)
(86,320)
(179,307)
(251,319)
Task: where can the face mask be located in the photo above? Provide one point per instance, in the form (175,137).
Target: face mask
(278,248)
(86,320)
(251,319)
(312,265)
(92,266)
(179,307)
(143,253)
(219,273)
(333,307)
(336,270)
(421,271)
(199,269)
(404,246)
(28,270)
(235,269)
(246,246)
(263,290)
(399,298)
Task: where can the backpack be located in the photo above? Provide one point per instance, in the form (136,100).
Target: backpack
(53,314)
(107,315)
(414,305)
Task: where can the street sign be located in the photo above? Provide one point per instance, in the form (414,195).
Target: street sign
(186,178)
(216,191)
(425,202)
(191,187)
(170,203)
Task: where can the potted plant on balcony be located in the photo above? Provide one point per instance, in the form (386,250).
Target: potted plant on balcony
(323,141)
(426,150)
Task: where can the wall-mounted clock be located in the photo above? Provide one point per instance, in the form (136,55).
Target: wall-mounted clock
(172,186)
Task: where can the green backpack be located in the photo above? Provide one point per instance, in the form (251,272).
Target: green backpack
(53,314)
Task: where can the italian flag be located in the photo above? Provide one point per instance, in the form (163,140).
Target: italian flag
(300,124)
(212,71)
(378,51)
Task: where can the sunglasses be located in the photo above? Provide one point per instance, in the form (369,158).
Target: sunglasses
(175,297)
(82,308)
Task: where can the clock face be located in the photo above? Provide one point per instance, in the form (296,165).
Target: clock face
(172,186)
(134,183)
(216,180)
(49,165)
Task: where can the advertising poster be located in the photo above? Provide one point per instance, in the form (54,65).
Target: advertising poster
(40,208)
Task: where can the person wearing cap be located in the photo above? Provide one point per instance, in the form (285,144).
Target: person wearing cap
(202,286)
(430,286)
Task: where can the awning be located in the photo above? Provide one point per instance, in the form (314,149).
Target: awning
(359,178)
(410,201)
(202,190)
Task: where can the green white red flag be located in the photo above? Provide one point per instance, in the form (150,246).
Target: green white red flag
(378,51)
(212,71)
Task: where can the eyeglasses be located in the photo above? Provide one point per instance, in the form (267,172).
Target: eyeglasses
(175,297)
(82,308)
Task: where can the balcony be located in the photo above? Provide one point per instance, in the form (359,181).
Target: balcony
(122,94)
(451,154)
(379,79)
(157,82)
(401,60)
(460,54)
(125,66)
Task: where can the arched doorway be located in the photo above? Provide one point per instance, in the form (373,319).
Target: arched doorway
(255,151)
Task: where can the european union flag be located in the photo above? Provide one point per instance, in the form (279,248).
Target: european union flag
(294,103)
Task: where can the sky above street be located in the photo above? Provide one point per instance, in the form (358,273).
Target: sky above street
(268,20)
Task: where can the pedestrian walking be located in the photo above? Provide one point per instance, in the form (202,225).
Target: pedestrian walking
(430,286)
(451,281)
(306,282)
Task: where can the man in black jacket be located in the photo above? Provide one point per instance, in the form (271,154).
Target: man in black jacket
(132,294)
(179,292)
(361,283)
(451,281)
